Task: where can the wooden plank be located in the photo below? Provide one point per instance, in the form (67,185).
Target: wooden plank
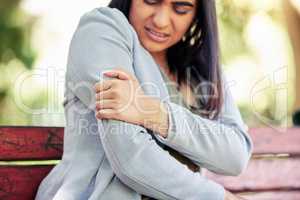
(263,174)
(275,195)
(276,141)
(23,143)
(21,183)
(31,143)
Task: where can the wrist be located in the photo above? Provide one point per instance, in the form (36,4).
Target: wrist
(155,116)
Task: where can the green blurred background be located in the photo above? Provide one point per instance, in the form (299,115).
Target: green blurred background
(259,42)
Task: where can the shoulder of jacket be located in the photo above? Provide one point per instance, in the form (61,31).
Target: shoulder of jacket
(110,19)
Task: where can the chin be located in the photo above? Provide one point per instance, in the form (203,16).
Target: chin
(154,48)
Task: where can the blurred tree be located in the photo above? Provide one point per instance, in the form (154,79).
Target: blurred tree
(292,13)
(15,29)
(15,44)
(233,21)
(236,18)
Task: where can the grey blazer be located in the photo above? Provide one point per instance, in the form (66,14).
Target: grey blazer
(114,160)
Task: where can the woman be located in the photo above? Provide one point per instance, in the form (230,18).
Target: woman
(136,119)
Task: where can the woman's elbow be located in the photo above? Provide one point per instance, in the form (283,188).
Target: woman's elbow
(239,166)
(240,159)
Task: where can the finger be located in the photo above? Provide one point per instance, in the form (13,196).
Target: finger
(116,73)
(106,94)
(105,104)
(131,76)
(106,114)
(102,85)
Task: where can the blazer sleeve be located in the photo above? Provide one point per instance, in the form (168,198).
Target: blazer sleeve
(102,41)
(222,145)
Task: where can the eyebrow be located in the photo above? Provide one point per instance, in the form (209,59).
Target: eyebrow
(183,3)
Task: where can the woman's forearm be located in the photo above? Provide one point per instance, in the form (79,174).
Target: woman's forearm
(209,143)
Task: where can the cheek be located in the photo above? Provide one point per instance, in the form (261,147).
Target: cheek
(137,15)
(134,15)
(181,28)
(131,16)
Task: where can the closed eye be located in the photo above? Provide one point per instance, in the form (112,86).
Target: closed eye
(180,7)
(151,2)
(183,7)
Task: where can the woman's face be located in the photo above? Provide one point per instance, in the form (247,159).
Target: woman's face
(161,23)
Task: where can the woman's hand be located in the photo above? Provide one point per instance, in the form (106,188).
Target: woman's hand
(122,98)
(119,97)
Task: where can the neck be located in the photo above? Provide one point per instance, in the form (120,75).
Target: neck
(161,59)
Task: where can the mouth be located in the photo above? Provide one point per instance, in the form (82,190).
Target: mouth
(156,36)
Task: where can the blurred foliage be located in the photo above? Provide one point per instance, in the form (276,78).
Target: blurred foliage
(16,54)
(234,19)
(234,16)
(15,31)
(232,25)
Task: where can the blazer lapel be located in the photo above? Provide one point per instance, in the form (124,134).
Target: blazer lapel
(149,75)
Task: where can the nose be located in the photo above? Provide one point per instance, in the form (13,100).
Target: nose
(161,18)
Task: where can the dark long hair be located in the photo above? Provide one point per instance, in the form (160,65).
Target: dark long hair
(196,58)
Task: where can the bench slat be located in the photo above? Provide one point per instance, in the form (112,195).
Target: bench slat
(272,141)
(31,143)
(263,174)
(276,195)
(21,183)
(46,143)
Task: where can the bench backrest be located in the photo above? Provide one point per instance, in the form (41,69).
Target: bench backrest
(273,172)
(20,180)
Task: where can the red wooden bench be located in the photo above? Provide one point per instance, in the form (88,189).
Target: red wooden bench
(273,172)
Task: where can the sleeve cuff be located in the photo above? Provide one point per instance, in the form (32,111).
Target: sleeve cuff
(171,128)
